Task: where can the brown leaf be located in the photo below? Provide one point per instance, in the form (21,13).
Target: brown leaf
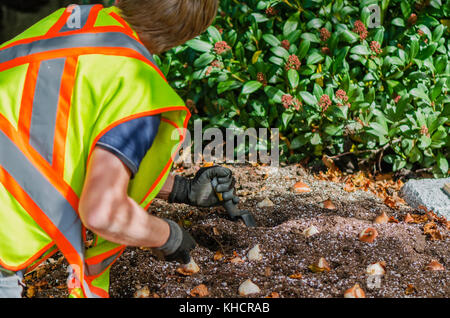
(329,163)
(296,276)
(393,220)
(431,230)
(410,289)
(200,291)
(273,295)
(31,291)
(349,187)
(216,231)
(419,218)
(218,256)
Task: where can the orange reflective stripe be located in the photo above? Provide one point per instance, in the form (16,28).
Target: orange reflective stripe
(43,166)
(127,29)
(98,291)
(100,258)
(60,23)
(26,106)
(92,17)
(62,119)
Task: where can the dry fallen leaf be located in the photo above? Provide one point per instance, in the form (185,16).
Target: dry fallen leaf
(434,266)
(31,291)
(393,220)
(216,231)
(431,230)
(200,291)
(368,235)
(296,276)
(218,256)
(301,187)
(355,292)
(410,289)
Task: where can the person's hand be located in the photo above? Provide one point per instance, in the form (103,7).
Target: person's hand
(178,246)
(202,190)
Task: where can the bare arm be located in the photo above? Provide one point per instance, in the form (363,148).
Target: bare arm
(107,210)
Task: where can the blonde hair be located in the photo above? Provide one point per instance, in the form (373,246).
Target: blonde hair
(164,24)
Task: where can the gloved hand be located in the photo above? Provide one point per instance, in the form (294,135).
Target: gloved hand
(178,246)
(201,191)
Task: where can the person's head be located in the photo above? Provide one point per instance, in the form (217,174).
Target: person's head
(164,24)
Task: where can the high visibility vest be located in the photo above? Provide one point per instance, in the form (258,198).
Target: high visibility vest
(64,83)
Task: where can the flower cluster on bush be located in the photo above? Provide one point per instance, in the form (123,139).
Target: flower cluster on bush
(332,84)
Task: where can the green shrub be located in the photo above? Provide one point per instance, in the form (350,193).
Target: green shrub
(331,85)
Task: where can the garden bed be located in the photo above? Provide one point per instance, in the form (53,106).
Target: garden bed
(287,252)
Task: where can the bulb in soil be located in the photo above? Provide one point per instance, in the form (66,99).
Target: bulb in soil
(301,187)
(355,292)
(310,231)
(248,288)
(142,293)
(368,235)
(383,218)
(321,266)
(189,269)
(328,204)
(255,254)
(377,269)
(265,203)
(435,266)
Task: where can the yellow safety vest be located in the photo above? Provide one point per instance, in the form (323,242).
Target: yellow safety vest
(64,83)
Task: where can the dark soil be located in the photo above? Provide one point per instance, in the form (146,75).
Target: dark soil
(286,251)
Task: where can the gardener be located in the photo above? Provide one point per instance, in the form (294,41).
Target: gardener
(87,126)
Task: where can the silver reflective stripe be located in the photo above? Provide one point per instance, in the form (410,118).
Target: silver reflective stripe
(83,40)
(96,269)
(43,194)
(45,106)
(78,18)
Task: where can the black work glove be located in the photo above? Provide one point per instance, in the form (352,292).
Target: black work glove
(201,191)
(178,246)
